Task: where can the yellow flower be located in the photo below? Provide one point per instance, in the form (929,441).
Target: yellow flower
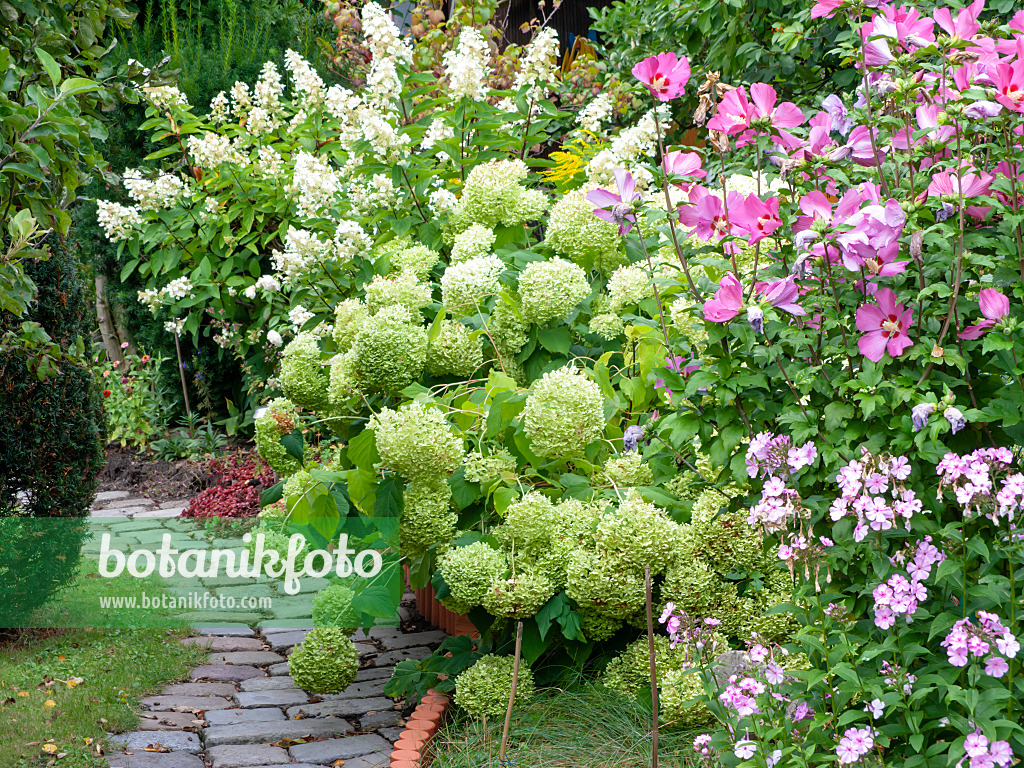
(49,703)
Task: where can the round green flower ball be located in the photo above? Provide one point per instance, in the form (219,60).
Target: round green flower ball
(326,662)
(469,571)
(332,609)
(484,689)
(455,351)
(279,420)
(550,290)
(302,375)
(564,413)
(389,351)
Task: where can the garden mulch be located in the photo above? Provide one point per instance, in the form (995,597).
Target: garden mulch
(242,709)
(141,475)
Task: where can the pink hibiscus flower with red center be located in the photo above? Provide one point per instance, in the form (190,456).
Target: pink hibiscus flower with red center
(885,326)
(757,116)
(1009,84)
(757,217)
(994,306)
(706,213)
(665,75)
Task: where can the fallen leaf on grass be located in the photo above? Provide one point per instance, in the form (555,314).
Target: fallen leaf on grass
(50,749)
(33,744)
(49,703)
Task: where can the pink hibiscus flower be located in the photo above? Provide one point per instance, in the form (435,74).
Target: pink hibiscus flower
(1009,85)
(994,306)
(885,327)
(759,218)
(737,114)
(665,75)
(727,303)
(617,208)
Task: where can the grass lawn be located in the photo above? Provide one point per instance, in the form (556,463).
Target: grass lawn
(61,690)
(581,727)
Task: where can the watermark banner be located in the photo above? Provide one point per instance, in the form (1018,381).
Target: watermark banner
(165,572)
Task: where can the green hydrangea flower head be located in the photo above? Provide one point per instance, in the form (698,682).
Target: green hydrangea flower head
(595,582)
(326,662)
(475,241)
(574,231)
(519,595)
(343,382)
(627,470)
(418,259)
(273,516)
(389,350)
(348,319)
(469,572)
(630,671)
(507,329)
(417,442)
(403,288)
(529,523)
(628,286)
(493,194)
(564,413)
(274,541)
(332,609)
(484,689)
(596,627)
(427,517)
(466,286)
(725,539)
(301,484)
(681,699)
(608,326)
(302,375)
(550,290)
(455,351)
(280,419)
(638,534)
(487,470)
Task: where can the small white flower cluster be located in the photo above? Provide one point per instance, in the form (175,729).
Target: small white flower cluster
(151,298)
(152,195)
(388,50)
(441,200)
(118,221)
(314,183)
(465,285)
(378,192)
(175,326)
(220,109)
(177,289)
(213,149)
(467,66)
(298,316)
(630,145)
(538,67)
(305,78)
(266,283)
(269,163)
(264,116)
(350,239)
(164,96)
(438,130)
(387,143)
(592,116)
(302,249)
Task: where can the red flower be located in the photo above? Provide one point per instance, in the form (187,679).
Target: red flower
(106,393)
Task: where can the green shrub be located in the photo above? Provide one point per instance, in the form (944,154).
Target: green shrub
(51,443)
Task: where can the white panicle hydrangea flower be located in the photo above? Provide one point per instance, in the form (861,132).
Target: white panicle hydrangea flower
(549,290)
(464,286)
(564,413)
(629,286)
(268,283)
(274,338)
(177,289)
(441,200)
(212,149)
(314,183)
(151,298)
(175,326)
(269,89)
(220,109)
(302,249)
(747,185)
(350,239)
(304,78)
(261,121)
(475,241)
(118,221)
(387,143)
(153,194)
(164,96)
(378,192)
(467,66)
(438,130)
(388,51)
(538,67)
(299,316)
(592,117)
(269,163)
(637,141)
(342,104)
(241,99)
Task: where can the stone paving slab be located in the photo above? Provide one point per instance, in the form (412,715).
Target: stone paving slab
(226,644)
(247,756)
(413,638)
(394,657)
(105,496)
(247,658)
(156,760)
(358,690)
(373,721)
(284,624)
(236,716)
(326,752)
(374,673)
(266,733)
(220,672)
(168,703)
(280,698)
(170,512)
(167,721)
(372,760)
(176,741)
(280,641)
(392,734)
(279,683)
(343,708)
(241,589)
(234,630)
(278,669)
(206,618)
(227,690)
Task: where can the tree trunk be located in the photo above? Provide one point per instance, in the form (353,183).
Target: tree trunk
(105,319)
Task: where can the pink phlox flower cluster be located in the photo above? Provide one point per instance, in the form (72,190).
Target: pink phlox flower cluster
(982,753)
(919,558)
(772,455)
(965,640)
(872,489)
(682,628)
(898,596)
(741,695)
(702,745)
(895,677)
(973,479)
(854,744)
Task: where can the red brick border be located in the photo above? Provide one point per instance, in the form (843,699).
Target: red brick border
(415,745)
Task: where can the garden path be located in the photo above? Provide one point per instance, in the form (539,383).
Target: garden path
(242,709)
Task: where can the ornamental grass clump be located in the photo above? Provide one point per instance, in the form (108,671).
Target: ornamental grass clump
(484,689)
